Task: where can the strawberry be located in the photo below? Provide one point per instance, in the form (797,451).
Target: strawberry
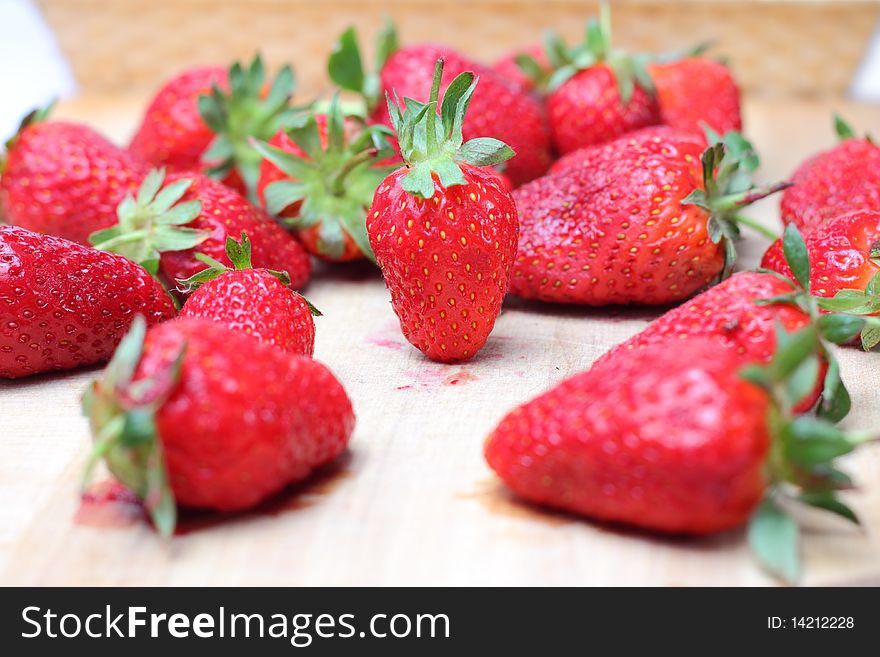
(528,69)
(694,92)
(172,133)
(675,445)
(597,93)
(444,230)
(844,178)
(65,305)
(257,302)
(200,416)
(844,253)
(203,119)
(838,267)
(498,109)
(636,220)
(64,179)
(321,180)
(162,227)
(742,313)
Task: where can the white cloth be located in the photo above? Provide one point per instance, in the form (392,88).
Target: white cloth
(33,71)
(866,85)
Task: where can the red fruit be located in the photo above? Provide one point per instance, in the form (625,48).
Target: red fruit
(510,68)
(681,441)
(836,181)
(172,133)
(629,223)
(223,421)
(498,109)
(727,312)
(444,233)
(695,91)
(204,119)
(207,213)
(63,305)
(730,314)
(596,93)
(257,302)
(844,254)
(651,439)
(588,109)
(323,195)
(655,132)
(64,179)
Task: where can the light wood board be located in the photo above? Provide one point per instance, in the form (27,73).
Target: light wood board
(413,503)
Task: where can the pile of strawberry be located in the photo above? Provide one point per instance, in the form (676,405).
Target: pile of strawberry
(567,174)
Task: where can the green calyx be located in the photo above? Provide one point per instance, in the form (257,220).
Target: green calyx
(239,254)
(728,165)
(334,183)
(122,416)
(845,131)
(835,327)
(801,464)
(849,314)
(630,70)
(346,68)
(152,223)
(242,114)
(436,147)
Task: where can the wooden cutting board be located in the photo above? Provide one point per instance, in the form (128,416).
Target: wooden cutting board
(413,502)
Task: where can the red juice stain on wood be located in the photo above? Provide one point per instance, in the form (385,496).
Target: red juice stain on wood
(108,504)
(459,377)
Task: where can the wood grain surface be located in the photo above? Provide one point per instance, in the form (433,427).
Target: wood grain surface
(413,502)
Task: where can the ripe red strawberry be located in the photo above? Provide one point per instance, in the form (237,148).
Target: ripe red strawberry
(844,254)
(64,305)
(836,181)
(697,91)
(443,229)
(498,109)
(321,178)
(64,179)
(679,445)
(597,94)
(634,221)
(203,119)
(201,416)
(528,69)
(258,302)
(164,228)
(172,133)
(736,314)
(657,133)
(838,263)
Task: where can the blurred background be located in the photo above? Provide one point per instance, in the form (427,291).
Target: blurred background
(95,48)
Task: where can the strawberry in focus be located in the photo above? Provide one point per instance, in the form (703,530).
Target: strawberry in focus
(257,302)
(64,305)
(637,220)
(164,226)
(320,179)
(675,445)
(64,179)
(443,229)
(843,178)
(498,109)
(196,415)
